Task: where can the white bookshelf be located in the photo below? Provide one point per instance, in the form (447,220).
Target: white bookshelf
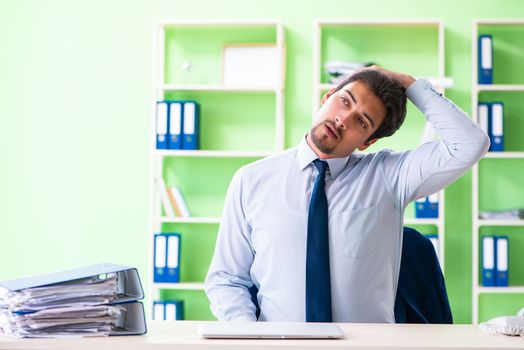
(158,157)
(440,81)
(477,223)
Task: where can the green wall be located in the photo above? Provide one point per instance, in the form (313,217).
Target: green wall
(75,103)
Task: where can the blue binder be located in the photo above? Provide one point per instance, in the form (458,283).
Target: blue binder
(191,125)
(129,290)
(427,207)
(484,116)
(168,310)
(166,258)
(485,59)
(175,125)
(162,124)
(488,261)
(496,127)
(502,255)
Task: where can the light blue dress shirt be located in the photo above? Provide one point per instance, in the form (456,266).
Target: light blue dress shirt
(263,232)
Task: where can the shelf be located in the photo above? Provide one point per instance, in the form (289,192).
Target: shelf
(375,22)
(500,21)
(190,220)
(255,22)
(509,155)
(415,221)
(200,153)
(491,222)
(499,87)
(500,290)
(216,88)
(445,82)
(180,286)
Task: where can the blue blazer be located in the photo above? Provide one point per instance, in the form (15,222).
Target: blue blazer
(421,292)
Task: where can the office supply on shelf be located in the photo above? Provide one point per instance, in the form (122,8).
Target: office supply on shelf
(168,310)
(509,214)
(191,125)
(167,258)
(485,59)
(162,123)
(277,330)
(173,201)
(164,196)
(484,112)
(339,70)
(180,201)
(501,266)
(251,65)
(175,125)
(434,240)
(496,127)
(488,261)
(427,207)
(95,300)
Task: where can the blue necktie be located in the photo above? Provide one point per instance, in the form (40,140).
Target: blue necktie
(318,287)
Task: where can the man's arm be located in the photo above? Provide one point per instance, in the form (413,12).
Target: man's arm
(434,165)
(228,278)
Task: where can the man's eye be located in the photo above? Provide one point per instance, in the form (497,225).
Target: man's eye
(362,123)
(345,101)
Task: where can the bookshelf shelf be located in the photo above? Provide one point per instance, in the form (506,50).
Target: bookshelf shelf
(179,286)
(500,290)
(190,220)
(506,83)
(355,45)
(215,88)
(229,138)
(220,154)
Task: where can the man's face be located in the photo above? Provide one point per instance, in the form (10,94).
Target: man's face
(346,120)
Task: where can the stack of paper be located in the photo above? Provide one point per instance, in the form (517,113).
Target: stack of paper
(510,214)
(89,306)
(338,70)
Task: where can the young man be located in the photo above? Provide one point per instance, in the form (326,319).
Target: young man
(323,243)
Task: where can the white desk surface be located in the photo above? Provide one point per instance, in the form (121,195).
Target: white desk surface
(183,335)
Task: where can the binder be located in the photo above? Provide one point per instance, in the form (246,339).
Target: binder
(167,258)
(168,310)
(484,111)
(434,240)
(160,257)
(130,291)
(162,124)
(175,125)
(496,134)
(191,125)
(485,59)
(488,261)
(427,207)
(173,257)
(501,268)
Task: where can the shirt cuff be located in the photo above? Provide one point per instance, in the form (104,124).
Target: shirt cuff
(420,92)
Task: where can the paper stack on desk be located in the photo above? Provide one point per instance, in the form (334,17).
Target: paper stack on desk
(97,300)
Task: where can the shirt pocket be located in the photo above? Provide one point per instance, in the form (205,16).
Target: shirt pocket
(358,231)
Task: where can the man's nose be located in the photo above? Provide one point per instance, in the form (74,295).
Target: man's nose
(341,120)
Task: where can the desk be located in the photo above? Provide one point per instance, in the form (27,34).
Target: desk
(183,335)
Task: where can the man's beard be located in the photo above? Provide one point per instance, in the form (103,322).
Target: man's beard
(318,140)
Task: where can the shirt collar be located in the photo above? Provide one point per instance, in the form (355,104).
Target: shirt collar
(306,156)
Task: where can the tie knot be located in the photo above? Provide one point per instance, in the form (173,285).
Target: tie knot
(321,166)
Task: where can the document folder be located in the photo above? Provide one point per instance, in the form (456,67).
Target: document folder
(485,59)
(162,123)
(128,292)
(501,277)
(175,125)
(191,126)
(488,261)
(496,127)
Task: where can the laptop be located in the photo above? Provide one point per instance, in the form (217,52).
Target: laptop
(269,330)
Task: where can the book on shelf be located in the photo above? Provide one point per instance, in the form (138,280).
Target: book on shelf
(173,200)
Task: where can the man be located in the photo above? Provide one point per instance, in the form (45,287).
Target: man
(323,243)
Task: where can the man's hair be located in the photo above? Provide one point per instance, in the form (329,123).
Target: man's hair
(390,91)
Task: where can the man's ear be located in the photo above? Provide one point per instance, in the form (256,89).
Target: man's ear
(326,96)
(366,144)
